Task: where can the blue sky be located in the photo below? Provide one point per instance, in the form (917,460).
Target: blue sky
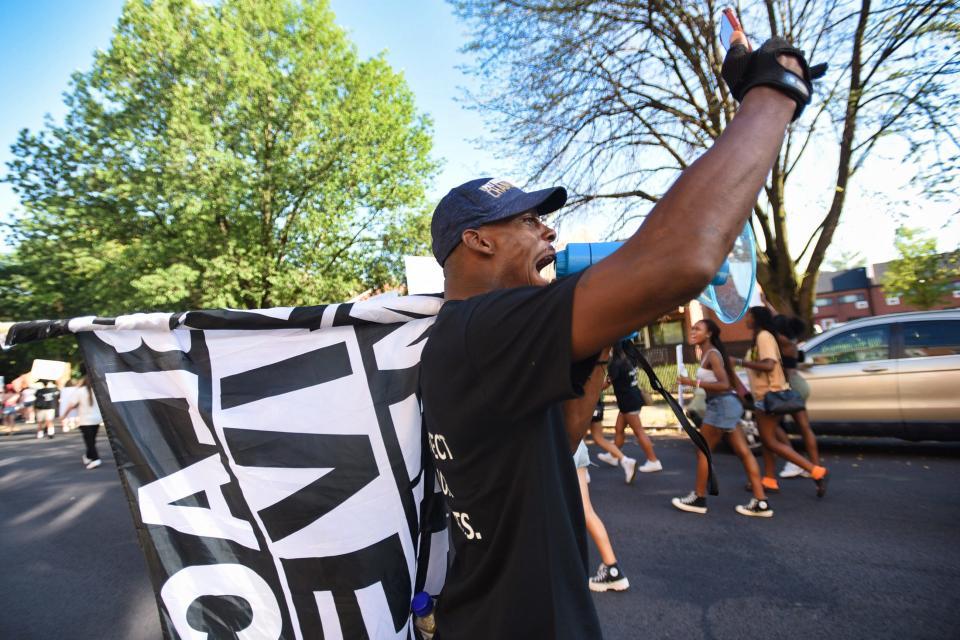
(42,42)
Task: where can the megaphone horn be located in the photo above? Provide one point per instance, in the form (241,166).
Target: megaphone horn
(728,294)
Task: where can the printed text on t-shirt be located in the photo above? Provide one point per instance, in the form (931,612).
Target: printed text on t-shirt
(440,449)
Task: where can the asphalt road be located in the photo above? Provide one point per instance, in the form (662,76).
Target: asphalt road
(877,558)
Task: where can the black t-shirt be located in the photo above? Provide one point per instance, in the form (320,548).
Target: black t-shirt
(47,398)
(493,374)
(623,376)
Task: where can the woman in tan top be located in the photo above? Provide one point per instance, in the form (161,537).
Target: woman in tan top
(765,371)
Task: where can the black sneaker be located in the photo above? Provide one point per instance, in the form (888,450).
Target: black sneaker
(609,578)
(691,502)
(755,508)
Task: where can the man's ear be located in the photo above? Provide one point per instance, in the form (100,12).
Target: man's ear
(476,240)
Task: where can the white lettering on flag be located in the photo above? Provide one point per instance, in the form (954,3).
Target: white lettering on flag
(206,476)
(188,584)
(159,385)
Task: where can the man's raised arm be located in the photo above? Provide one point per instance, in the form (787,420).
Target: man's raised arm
(689,232)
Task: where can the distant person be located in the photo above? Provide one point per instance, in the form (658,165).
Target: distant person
(10,399)
(89,419)
(612,453)
(765,372)
(609,576)
(68,419)
(721,420)
(28,396)
(789,330)
(48,397)
(623,375)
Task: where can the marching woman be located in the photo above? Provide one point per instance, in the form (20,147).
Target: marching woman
(721,420)
(789,330)
(766,375)
(612,454)
(609,576)
(10,398)
(89,419)
(622,372)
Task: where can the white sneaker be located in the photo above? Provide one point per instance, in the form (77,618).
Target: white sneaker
(39,435)
(650,466)
(629,468)
(93,464)
(51,432)
(791,470)
(85,459)
(609,458)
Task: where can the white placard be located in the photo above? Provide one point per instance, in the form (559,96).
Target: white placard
(49,369)
(424,275)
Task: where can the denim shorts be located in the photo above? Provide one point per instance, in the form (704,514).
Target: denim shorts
(581,457)
(723,412)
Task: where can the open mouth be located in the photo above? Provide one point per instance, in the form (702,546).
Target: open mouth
(546,261)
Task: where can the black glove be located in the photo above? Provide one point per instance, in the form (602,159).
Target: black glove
(743,70)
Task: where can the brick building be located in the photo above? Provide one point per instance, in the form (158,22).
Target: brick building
(847,295)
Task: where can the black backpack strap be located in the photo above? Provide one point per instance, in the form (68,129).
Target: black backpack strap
(692,433)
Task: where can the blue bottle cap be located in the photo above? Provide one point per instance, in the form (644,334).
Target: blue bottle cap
(422,604)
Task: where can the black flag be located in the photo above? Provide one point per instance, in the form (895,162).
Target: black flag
(274,463)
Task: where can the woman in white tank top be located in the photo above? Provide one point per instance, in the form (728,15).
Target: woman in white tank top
(721,420)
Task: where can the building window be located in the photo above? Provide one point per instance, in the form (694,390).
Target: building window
(823,302)
(852,297)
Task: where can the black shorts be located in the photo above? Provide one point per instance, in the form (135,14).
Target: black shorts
(630,402)
(598,412)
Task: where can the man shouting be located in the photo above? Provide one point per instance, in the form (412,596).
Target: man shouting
(508,348)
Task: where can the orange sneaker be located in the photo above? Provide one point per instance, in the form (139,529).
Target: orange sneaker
(770,484)
(820,477)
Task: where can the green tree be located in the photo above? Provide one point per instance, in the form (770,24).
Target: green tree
(613,97)
(847,259)
(921,276)
(238,155)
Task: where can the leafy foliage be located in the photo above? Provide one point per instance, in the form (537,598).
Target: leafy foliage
(921,276)
(613,98)
(237,155)
(847,260)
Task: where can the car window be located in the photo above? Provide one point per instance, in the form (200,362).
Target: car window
(931,338)
(855,345)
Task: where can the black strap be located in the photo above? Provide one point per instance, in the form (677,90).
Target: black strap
(692,433)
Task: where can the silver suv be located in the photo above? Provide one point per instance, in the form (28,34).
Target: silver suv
(895,375)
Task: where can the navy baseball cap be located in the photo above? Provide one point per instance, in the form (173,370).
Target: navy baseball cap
(483,201)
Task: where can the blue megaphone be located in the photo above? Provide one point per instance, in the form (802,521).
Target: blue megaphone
(728,294)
